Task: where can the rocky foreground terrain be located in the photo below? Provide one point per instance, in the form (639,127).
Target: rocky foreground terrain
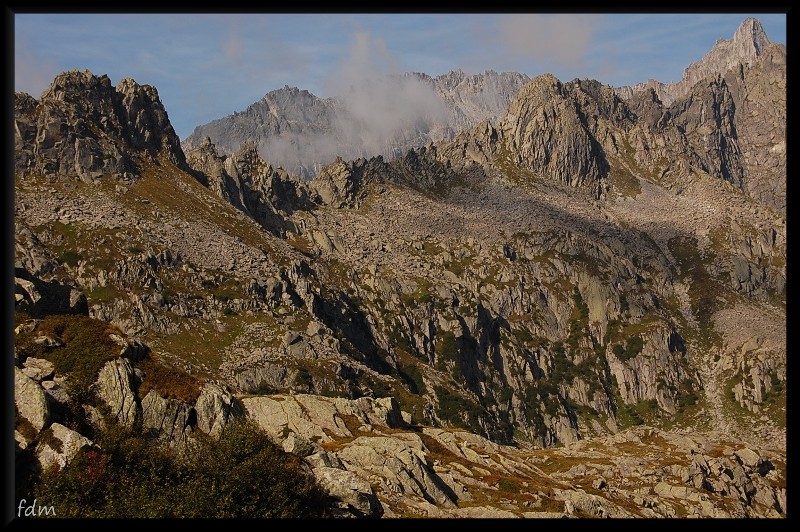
(578,309)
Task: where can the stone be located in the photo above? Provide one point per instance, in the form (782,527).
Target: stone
(353,494)
(30,400)
(38,369)
(115,386)
(323,458)
(57,391)
(299,446)
(60,447)
(747,457)
(166,419)
(401,462)
(216,407)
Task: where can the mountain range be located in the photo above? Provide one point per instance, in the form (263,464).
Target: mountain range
(536,298)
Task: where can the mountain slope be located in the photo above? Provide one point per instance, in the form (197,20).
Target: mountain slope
(582,266)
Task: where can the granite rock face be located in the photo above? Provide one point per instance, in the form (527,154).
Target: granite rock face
(746,46)
(82,126)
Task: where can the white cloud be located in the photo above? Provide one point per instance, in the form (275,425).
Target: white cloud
(32,72)
(564,39)
(380,105)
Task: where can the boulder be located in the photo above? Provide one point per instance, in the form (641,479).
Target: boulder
(30,400)
(59,446)
(38,369)
(401,463)
(299,446)
(216,407)
(353,494)
(115,386)
(167,419)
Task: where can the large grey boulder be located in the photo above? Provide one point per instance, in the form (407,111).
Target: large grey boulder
(216,407)
(30,400)
(60,447)
(401,464)
(353,494)
(166,419)
(115,386)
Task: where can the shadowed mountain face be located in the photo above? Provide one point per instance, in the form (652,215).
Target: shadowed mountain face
(426,328)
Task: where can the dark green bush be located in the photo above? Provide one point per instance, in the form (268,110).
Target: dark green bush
(633,346)
(413,378)
(457,410)
(242,475)
(70,258)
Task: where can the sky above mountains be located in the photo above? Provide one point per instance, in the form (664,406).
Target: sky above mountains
(206,66)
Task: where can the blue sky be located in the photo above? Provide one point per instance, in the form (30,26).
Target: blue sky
(206,66)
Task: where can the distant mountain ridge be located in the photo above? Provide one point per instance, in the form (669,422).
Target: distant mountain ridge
(294,129)
(746,46)
(301,132)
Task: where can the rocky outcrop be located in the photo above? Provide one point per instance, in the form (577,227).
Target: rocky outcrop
(315,417)
(30,400)
(374,469)
(116,386)
(746,46)
(706,116)
(250,184)
(545,133)
(215,408)
(59,446)
(354,495)
(169,420)
(83,127)
(402,466)
(759,94)
(656,373)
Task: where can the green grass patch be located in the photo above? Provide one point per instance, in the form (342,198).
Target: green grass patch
(105,294)
(624,182)
(70,258)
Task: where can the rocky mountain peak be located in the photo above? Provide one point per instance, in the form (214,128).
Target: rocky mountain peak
(751,32)
(546,132)
(301,132)
(747,44)
(84,127)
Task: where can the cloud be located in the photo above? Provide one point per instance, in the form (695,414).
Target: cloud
(564,39)
(379,108)
(32,72)
(233,46)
